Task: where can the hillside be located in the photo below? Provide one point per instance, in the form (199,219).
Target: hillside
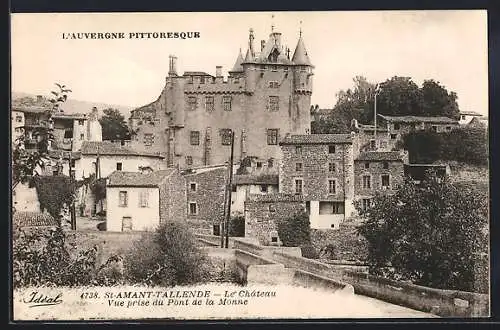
(78,106)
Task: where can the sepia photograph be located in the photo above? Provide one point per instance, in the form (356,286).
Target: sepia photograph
(249,165)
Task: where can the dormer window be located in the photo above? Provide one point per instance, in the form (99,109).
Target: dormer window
(273,57)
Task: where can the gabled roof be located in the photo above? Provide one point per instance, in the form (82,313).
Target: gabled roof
(300,56)
(33,219)
(246,179)
(317,139)
(108,148)
(381,156)
(137,179)
(471,113)
(419,119)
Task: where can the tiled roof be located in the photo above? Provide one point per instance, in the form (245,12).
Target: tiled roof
(196,73)
(109,148)
(471,113)
(270,198)
(419,119)
(33,219)
(256,179)
(137,179)
(317,139)
(56,154)
(380,155)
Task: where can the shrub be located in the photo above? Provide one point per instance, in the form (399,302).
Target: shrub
(432,234)
(296,230)
(237,226)
(41,259)
(309,251)
(168,257)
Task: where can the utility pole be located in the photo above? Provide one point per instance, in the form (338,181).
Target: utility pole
(72,182)
(375,114)
(229,190)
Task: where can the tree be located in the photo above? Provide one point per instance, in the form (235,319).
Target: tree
(399,96)
(436,101)
(351,104)
(433,234)
(25,163)
(296,230)
(114,126)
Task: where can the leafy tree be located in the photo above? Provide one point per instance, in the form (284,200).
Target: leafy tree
(170,256)
(433,234)
(25,163)
(296,230)
(437,101)
(397,96)
(54,192)
(466,144)
(114,126)
(237,226)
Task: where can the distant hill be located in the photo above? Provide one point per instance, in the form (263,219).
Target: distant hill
(77,106)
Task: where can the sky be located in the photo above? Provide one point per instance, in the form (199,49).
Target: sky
(447,46)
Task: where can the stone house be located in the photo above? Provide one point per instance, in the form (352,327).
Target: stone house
(266,95)
(398,126)
(263,212)
(205,193)
(246,184)
(320,169)
(70,130)
(381,172)
(467,116)
(141,202)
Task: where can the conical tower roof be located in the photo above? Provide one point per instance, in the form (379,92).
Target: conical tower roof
(248,57)
(237,65)
(300,55)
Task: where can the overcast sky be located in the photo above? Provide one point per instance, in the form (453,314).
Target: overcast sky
(448,46)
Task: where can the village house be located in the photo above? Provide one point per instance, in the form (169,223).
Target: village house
(381,172)
(70,130)
(398,126)
(142,201)
(266,95)
(320,169)
(467,116)
(246,184)
(371,139)
(205,193)
(264,212)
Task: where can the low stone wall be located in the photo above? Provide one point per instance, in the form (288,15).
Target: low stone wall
(267,251)
(212,240)
(447,303)
(108,243)
(308,265)
(256,269)
(310,280)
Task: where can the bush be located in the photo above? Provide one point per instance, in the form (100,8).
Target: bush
(432,234)
(168,257)
(310,252)
(42,259)
(237,226)
(296,230)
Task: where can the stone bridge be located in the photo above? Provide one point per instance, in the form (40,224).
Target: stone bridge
(282,265)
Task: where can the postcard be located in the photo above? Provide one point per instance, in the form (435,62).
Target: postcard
(249,165)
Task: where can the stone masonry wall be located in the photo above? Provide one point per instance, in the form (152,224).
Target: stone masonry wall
(375,170)
(209,195)
(315,172)
(173,199)
(260,221)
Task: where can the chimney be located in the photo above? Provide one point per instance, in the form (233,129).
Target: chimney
(218,71)
(262,45)
(172,67)
(39,98)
